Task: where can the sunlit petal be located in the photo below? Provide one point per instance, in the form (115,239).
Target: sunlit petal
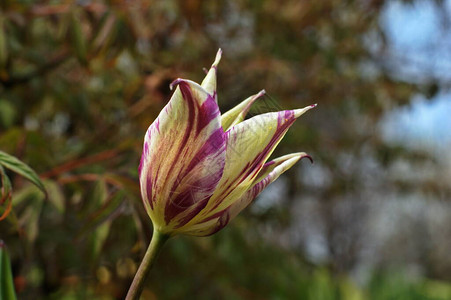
(209,82)
(248,146)
(183,156)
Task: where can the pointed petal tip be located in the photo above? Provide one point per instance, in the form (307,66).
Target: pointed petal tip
(217,58)
(255,97)
(294,157)
(251,101)
(299,112)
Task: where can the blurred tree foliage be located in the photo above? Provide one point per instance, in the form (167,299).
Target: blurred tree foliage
(80,81)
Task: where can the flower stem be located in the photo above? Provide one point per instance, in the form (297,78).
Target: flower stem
(152,251)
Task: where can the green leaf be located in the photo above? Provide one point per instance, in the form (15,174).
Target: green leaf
(3,43)
(7,113)
(6,277)
(15,165)
(78,38)
(30,216)
(109,207)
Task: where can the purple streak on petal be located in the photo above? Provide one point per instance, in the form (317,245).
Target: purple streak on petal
(213,216)
(157,125)
(144,154)
(251,169)
(149,199)
(283,123)
(309,157)
(262,184)
(223,218)
(222,222)
(282,126)
(140,167)
(249,105)
(207,112)
(199,118)
(175,83)
(188,97)
(269,163)
(214,142)
(187,199)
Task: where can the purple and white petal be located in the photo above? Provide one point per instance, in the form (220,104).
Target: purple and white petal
(183,157)
(248,146)
(268,174)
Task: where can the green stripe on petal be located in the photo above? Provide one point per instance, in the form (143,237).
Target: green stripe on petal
(238,113)
(209,82)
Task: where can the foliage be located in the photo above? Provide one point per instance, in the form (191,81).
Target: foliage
(18,167)
(6,278)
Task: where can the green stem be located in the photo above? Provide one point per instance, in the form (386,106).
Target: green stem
(152,251)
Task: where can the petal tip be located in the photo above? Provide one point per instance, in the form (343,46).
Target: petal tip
(309,158)
(301,111)
(175,83)
(301,155)
(256,96)
(261,93)
(217,58)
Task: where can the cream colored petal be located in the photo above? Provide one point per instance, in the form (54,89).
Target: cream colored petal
(269,173)
(209,82)
(249,144)
(183,157)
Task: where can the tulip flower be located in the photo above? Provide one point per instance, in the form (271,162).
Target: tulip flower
(199,168)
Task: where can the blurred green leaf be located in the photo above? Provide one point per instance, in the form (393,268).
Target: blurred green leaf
(7,291)
(3,42)
(12,163)
(55,195)
(100,197)
(29,217)
(100,215)
(78,37)
(7,113)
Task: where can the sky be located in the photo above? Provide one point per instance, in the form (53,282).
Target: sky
(420,49)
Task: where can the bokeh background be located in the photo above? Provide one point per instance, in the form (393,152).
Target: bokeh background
(80,82)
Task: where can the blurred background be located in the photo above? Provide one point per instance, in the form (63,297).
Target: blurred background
(80,82)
